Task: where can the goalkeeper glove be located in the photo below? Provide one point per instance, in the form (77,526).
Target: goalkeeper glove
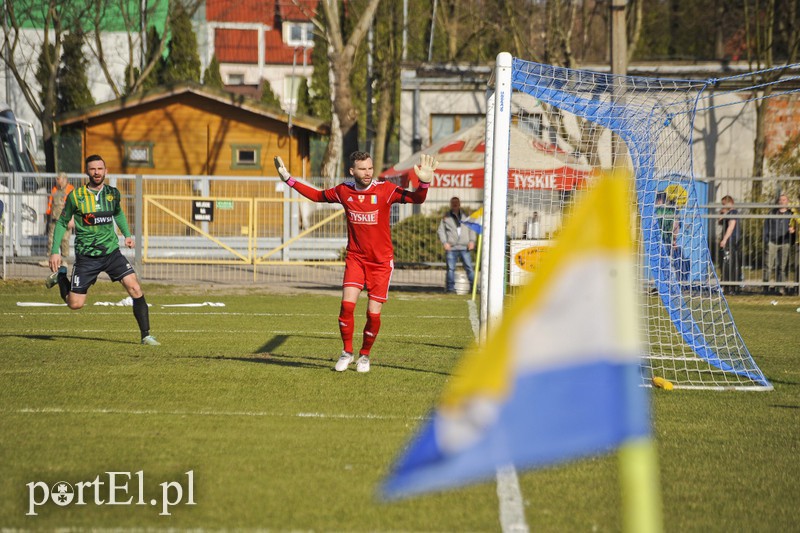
(282,172)
(424,171)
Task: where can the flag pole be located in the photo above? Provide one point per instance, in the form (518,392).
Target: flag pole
(476,278)
(641,491)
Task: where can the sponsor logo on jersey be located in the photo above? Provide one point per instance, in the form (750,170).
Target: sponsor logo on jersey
(359,217)
(98,219)
(349,198)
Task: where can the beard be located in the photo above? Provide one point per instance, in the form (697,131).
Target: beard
(93,181)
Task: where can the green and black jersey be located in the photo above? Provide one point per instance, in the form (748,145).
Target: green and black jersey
(95,213)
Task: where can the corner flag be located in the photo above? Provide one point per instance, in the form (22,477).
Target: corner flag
(475,221)
(559,378)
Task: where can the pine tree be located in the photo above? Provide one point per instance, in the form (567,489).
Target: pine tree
(319,90)
(267,96)
(155,77)
(183,62)
(47,56)
(211,77)
(303,99)
(72,84)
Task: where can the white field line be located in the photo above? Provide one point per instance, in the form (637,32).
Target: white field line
(155,412)
(509,496)
(232,331)
(65,313)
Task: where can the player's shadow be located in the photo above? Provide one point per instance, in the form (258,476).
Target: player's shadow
(64,337)
(284,360)
(272,359)
(295,361)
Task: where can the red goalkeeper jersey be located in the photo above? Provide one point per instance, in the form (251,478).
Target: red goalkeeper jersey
(368,212)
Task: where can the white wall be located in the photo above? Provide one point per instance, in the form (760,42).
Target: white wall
(115,50)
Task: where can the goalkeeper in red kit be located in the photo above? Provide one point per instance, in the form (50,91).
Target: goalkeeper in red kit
(370,256)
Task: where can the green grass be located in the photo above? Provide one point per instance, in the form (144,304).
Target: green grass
(244,396)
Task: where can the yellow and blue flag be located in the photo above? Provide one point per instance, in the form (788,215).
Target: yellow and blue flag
(475,221)
(559,378)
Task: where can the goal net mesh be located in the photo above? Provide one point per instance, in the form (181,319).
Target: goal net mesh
(568,124)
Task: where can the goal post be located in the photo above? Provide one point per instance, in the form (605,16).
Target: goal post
(550,132)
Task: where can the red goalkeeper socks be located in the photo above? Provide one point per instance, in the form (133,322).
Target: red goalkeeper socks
(370,332)
(347,325)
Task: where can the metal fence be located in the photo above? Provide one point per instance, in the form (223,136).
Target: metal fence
(242,230)
(223,230)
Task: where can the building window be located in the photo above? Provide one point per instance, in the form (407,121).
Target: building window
(298,33)
(235,79)
(444,125)
(246,156)
(138,154)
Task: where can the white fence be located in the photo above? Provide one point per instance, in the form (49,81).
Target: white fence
(255,230)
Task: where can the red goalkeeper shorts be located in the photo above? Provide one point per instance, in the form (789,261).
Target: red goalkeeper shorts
(375,277)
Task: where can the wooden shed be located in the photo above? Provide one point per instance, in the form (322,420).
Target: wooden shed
(189,129)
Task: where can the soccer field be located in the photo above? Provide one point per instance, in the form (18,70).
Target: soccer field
(243,399)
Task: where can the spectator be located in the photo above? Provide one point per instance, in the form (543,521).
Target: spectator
(669,223)
(778,230)
(730,244)
(55,205)
(458,241)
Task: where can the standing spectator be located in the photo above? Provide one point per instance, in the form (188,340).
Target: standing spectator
(55,205)
(778,232)
(458,241)
(730,244)
(370,255)
(668,220)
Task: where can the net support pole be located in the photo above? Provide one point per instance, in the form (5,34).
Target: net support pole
(483,273)
(499,188)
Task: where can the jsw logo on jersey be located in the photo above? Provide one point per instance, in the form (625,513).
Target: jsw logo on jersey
(358,217)
(97,219)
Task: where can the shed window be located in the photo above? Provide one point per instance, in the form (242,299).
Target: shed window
(246,156)
(139,154)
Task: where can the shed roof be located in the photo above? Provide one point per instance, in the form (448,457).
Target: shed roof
(310,124)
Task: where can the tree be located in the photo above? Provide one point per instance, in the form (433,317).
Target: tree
(387,61)
(211,76)
(56,18)
(341,54)
(268,96)
(318,88)
(152,76)
(182,61)
(72,83)
(768,39)
(303,99)
(145,60)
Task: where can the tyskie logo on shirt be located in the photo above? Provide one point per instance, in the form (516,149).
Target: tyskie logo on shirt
(360,217)
(98,219)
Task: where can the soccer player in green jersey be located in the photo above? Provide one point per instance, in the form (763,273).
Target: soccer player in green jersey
(95,207)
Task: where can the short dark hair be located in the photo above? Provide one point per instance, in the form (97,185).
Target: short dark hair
(727,198)
(661,197)
(358,156)
(92,158)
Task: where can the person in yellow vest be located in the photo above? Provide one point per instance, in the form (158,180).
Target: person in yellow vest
(55,205)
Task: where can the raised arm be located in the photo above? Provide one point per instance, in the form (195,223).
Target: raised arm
(424,172)
(312,193)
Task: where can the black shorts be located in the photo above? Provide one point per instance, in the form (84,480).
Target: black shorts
(87,268)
